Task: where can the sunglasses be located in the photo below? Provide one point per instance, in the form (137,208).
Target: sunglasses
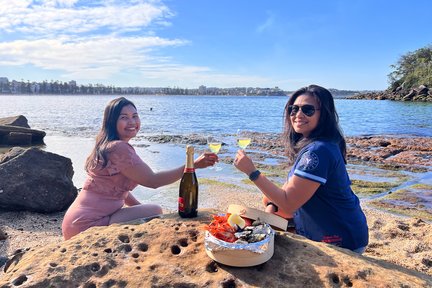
(308,110)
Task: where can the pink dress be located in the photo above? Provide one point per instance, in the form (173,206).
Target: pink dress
(103,193)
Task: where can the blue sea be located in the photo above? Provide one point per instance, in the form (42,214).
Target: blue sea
(72,122)
(82,115)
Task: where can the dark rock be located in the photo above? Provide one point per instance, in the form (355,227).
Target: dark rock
(19,121)
(6,131)
(410,95)
(422,89)
(34,180)
(2,235)
(3,260)
(15,131)
(419,94)
(18,138)
(384,143)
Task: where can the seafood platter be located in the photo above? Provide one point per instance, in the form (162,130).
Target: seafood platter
(242,237)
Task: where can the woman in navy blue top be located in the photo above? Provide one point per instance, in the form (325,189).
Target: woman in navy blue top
(317,193)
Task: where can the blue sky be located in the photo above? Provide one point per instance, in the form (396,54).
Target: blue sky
(220,43)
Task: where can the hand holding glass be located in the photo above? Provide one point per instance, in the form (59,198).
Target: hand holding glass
(214,146)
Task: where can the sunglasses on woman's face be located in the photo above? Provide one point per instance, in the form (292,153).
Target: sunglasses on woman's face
(308,110)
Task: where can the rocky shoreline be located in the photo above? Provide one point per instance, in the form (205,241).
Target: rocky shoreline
(394,152)
(418,94)
(402,239)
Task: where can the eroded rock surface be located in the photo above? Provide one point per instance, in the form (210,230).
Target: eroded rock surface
(169,252)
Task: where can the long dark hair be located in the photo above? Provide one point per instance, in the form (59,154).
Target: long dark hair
(107,133)
(328,124)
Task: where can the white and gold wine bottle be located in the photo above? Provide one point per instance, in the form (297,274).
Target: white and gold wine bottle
(188,191)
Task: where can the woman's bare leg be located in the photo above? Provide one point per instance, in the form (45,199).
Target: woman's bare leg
(135,212)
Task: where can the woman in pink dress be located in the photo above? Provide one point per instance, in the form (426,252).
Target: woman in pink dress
(114,170)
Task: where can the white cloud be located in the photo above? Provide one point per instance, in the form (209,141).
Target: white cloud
(82,56)
(90,41)
(68,17)
(100,58)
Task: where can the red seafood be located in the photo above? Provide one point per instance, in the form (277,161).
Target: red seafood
(220,228)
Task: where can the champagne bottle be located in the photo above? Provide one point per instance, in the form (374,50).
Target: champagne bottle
(188,191)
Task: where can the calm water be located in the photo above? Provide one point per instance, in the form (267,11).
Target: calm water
(71,123)
(82,115)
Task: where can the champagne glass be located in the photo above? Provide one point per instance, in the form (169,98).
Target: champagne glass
(214,146)
(243,140)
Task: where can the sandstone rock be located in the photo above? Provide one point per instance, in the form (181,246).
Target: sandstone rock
(34,180)
(413,152)
(170,252)
(19,121)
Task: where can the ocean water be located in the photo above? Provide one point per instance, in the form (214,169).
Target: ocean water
(82,115)
(72,122)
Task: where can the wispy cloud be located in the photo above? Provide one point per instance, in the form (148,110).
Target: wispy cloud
(268,23)
(80,56)
(100,40)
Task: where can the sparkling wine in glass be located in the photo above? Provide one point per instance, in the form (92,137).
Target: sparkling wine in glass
(214,146)
(243,140)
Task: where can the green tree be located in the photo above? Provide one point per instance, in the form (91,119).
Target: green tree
(412,70)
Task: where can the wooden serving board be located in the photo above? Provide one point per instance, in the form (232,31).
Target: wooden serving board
(273,220)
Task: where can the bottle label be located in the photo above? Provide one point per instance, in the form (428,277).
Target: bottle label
(181,206)
(189,170)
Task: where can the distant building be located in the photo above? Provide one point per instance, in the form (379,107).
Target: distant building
(202,90)
(4,80)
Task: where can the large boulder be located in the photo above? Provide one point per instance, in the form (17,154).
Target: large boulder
(35,180)
(170,252)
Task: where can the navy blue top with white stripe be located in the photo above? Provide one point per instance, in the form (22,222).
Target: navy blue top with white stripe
(333,214)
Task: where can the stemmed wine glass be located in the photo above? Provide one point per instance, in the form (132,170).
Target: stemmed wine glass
(243,140)
(214,146)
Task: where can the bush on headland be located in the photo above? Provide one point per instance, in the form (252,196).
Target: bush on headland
(410,79)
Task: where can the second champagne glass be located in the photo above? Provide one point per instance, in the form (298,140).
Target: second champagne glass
(243,140)
(214,146)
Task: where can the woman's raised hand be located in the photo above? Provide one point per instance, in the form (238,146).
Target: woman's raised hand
(205,160)
(243,163)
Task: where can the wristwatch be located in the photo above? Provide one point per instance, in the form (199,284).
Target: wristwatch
(254,175)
